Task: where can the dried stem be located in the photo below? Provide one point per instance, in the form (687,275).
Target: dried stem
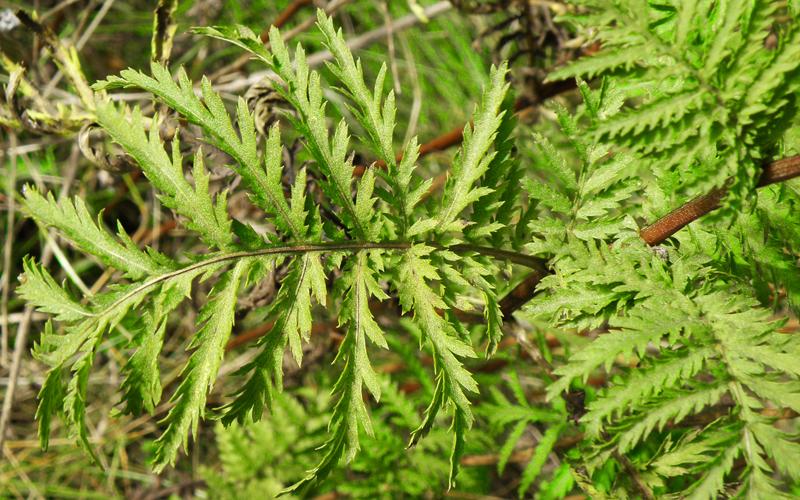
(21,338)
(8,248)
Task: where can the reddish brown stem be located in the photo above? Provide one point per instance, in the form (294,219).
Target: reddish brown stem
(779,171)
(663,228)
(248,336)
(456,135)
(285,15)
(671,223)
(520,294)
(259,331)
(440,143)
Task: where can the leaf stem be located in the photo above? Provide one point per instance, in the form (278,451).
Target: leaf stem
(333,246)
(530,261)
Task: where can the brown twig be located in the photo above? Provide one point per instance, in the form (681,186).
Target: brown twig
(520,294)
(657,232)
(288,12)
(8,248)
(455,136)
(634,476)
(519,457)
(250,335)
(666,226)
(284,17)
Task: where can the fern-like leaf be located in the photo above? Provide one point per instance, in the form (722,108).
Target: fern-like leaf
(216,321)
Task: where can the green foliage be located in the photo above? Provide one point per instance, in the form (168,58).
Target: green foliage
(695,334)
(363,235)
(216,322)
(522,414)
(210,221)
(669,364)
(262,458)
(684,332)
(472,162)
(711,81)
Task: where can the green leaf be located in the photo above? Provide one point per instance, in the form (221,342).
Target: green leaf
(510,444)
(374,112)
(674,409)
(605,61)
(540,454)
(73,220)
(75,400)
(493,215)
(660,114)
(452,378)
(712,483)
(51,399)
(216,321)
(635,390)
(293,325)
(474,158)
(239,35)
(548,196)
(556,163)
(461,423)
(304,92)
(782,447)
(142,384)
(210,114)
(40,289)
(605,175)
(601,352)
(350,413)
(196,204)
